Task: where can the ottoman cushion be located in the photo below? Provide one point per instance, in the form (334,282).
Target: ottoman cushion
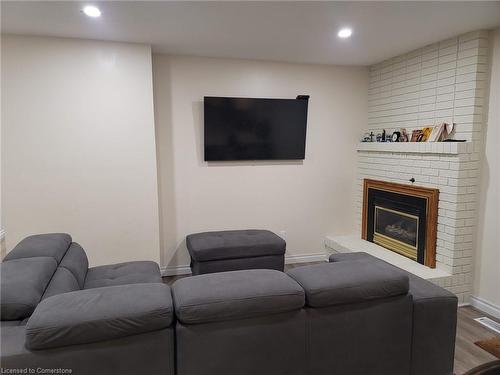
(235,295)
(210,246)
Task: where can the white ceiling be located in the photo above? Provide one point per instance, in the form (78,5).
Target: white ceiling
(282,31)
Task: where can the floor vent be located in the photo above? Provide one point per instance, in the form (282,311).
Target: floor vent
(489,323)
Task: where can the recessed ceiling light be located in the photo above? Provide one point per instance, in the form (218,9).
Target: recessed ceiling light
(92,11)
(345,33)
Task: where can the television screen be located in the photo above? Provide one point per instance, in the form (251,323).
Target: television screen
(254,129)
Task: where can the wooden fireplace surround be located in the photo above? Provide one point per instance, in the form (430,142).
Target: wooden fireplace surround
(430,195)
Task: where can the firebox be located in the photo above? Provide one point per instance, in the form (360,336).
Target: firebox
(401,218)
(397,231)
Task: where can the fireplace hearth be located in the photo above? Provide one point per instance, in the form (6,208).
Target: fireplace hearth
(401,218)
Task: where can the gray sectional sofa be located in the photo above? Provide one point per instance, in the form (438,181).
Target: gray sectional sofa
(57,313)
(353,315)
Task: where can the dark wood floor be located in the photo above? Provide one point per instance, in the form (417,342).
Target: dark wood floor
(467,354)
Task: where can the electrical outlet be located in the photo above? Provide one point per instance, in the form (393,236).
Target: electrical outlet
(283,234)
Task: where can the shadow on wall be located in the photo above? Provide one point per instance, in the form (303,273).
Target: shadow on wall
(177,258)
(483,197)
(165,162)
(3,248)
(198,124)
(486,192)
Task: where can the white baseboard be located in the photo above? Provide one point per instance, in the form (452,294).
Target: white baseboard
(306,258)
(291,259)
(485,306)
(175,271)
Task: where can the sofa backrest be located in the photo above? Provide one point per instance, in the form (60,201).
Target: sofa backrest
(71,272)
(329,284)
(53,245)
(234,295)
(38,267)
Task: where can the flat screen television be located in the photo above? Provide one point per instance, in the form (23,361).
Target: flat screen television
(255,129)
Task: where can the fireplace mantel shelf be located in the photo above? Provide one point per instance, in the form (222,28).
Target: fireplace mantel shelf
(346,244)
(453,148)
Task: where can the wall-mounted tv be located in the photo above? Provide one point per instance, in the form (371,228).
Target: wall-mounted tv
(255,129)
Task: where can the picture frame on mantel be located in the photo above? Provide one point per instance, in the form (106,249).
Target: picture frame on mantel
(416,135)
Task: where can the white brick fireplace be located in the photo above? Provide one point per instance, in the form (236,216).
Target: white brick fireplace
(443,82)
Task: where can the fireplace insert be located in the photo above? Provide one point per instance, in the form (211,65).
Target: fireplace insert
(401,218)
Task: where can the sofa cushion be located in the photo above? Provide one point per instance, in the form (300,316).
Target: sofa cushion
(23,284)
(234,244)
(235,295)
(123,273)
(70,275)
(52,245)
(63,281)
(348,282)
(76,262)
(99,314)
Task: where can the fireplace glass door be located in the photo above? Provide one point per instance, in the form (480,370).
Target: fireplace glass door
(396,231)
(397,222)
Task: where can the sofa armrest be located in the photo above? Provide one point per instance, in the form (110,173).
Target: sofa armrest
(99,314)
(434,319)
(434,315)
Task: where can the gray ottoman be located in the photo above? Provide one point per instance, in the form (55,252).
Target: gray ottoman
(235,250)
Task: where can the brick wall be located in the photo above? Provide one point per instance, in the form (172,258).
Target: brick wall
(446,81)
(455,175)
(442,82)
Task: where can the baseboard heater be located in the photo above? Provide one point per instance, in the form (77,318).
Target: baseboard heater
(489,323)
